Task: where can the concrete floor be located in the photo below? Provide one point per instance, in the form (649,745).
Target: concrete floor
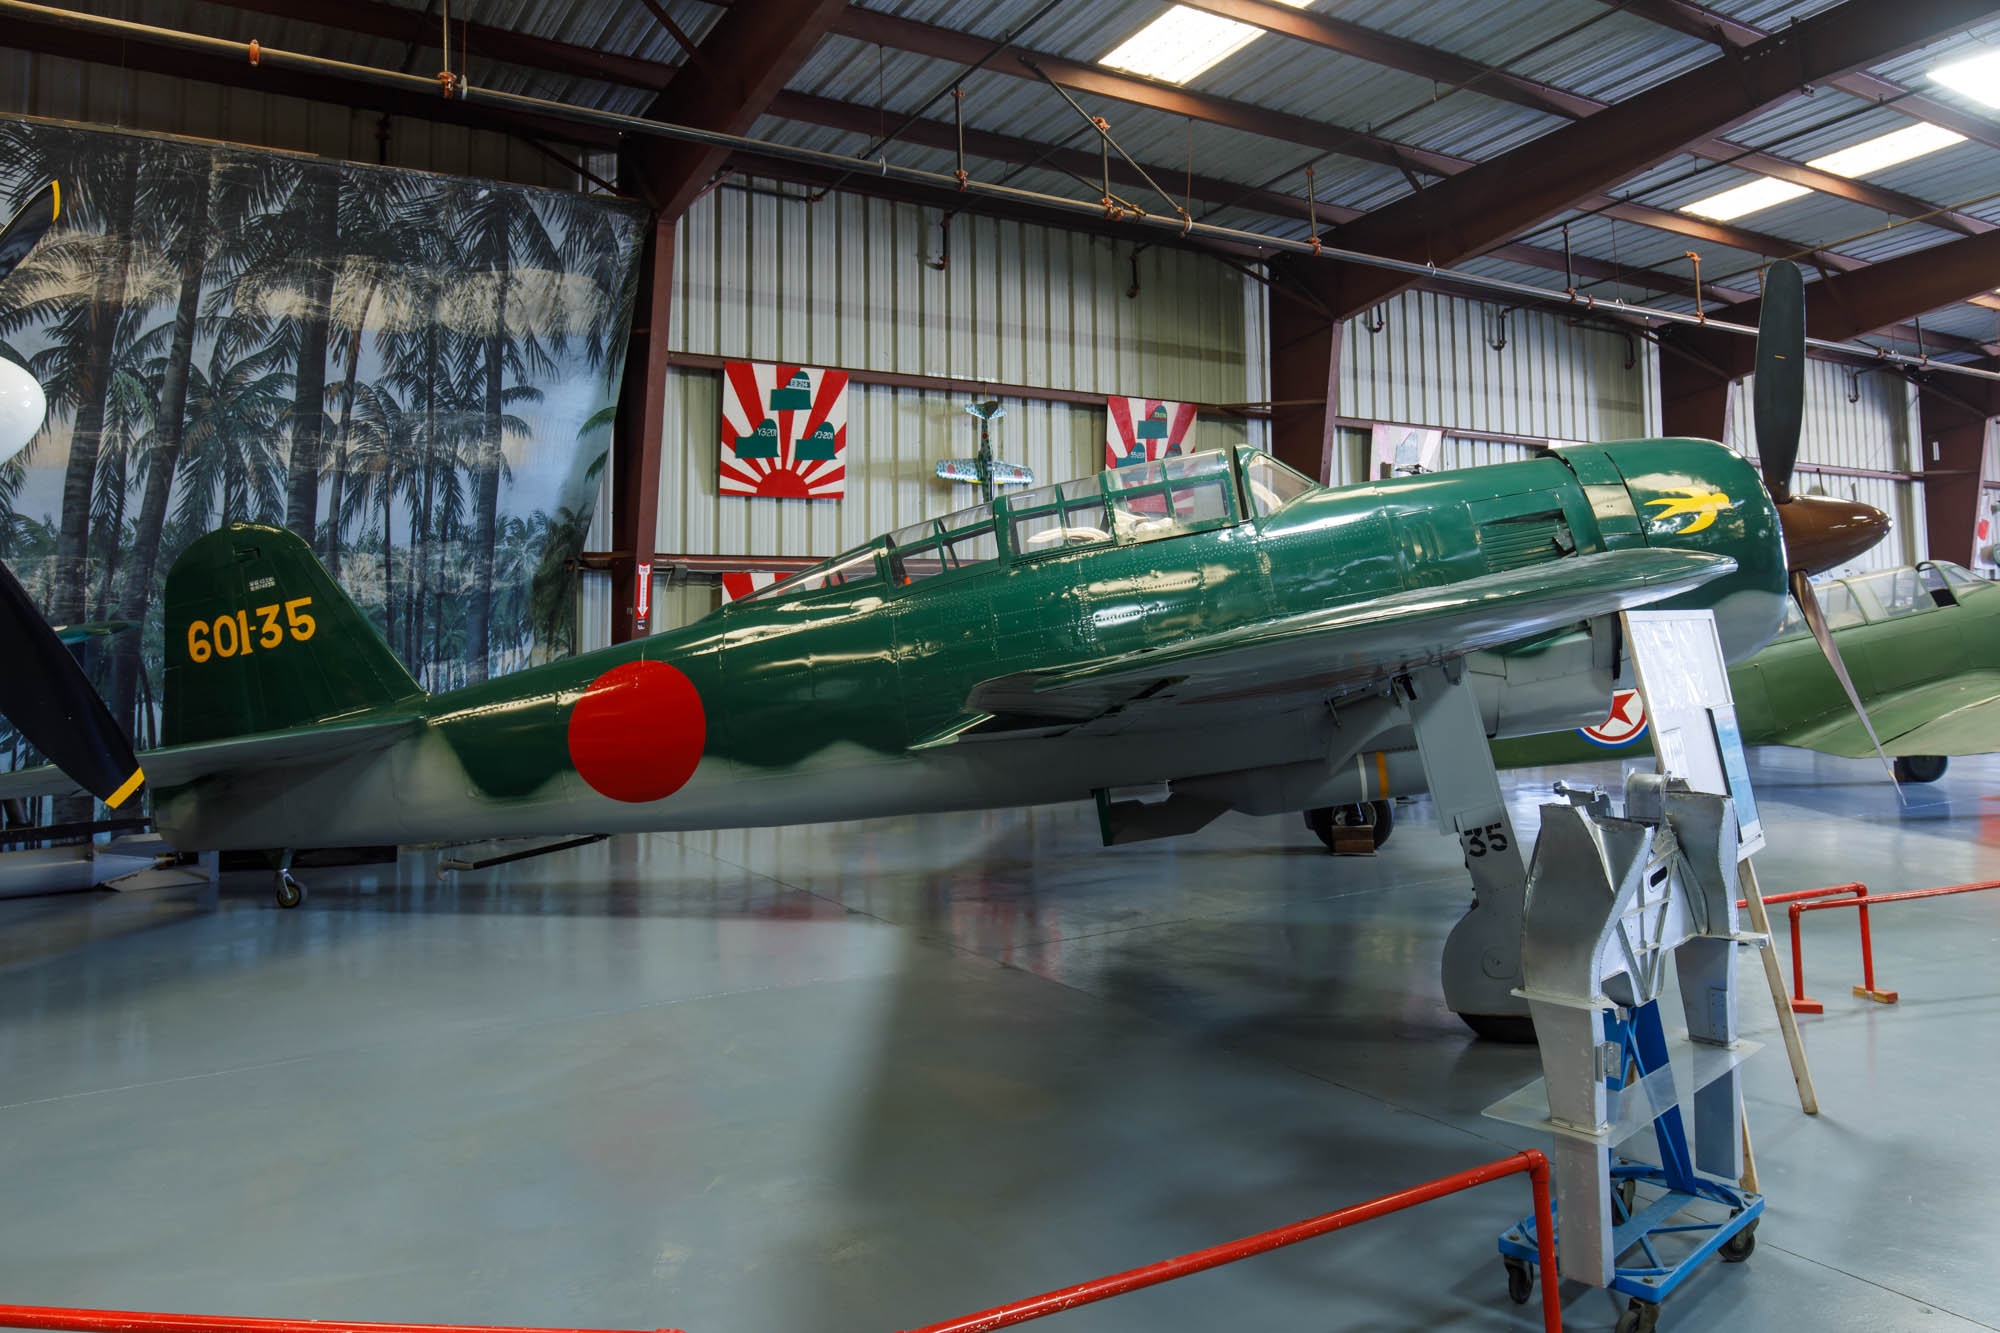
(866,1077)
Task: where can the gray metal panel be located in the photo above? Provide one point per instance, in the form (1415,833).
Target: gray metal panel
(1433,364)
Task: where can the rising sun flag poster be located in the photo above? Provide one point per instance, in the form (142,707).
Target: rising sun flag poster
(784,431)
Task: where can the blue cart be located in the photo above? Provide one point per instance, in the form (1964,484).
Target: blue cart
(1678,1222)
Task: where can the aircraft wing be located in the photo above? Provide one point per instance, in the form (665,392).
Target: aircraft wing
(1339,646)
(1960,715)
(177,765)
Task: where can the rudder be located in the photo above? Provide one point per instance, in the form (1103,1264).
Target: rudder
(259,638)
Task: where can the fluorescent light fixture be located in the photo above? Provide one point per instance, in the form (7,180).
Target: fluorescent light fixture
(1886,150)
(1977,77)
(1760,193)
(1183,42)
(1870,155)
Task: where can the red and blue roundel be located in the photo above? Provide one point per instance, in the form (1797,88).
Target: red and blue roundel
(1627,722)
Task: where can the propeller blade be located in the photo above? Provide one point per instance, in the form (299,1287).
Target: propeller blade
(45,694)
(1779,390)
(1802,589)
(27,225)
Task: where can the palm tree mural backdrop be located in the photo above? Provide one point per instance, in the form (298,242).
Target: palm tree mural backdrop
(413,371)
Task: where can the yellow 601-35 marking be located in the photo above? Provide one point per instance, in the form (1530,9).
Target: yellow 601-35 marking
(232,635)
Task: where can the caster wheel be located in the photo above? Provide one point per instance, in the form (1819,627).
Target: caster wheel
(1739,1246)
(1378,817)
(290,893)
(1520,1281)
(1639,1317)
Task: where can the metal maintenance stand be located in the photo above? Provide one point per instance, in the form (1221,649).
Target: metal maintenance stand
(1609,900)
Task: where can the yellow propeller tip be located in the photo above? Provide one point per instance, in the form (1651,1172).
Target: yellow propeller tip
(132,784)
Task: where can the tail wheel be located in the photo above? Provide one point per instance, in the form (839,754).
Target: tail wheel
(1920,767)
(1326,821)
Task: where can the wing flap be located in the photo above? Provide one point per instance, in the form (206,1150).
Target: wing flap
(1338,646)
(1957,716)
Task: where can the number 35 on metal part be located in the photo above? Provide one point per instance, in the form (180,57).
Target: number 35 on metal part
(230,635)
(1479,841)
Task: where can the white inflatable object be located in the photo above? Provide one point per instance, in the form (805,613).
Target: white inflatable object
(22,407)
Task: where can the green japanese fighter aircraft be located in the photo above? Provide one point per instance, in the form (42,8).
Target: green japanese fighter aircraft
(1216,622)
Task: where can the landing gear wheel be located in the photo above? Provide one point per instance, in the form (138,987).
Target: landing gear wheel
(1513,1029)
(1520,1281)
(1920,767)
(289,892)
(1624,1193)
(1739,1246)
(1378,817)
(1639,1317)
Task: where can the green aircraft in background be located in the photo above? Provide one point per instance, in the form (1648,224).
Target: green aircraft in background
(1922,643)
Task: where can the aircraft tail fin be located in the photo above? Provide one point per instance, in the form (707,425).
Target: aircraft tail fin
(259,637)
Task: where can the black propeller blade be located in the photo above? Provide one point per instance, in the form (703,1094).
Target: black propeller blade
(27,225)
(1819,533)
(43,692)
(1779,389)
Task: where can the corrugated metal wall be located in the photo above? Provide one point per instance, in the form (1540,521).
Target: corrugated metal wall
(62,89)
(1433,363)
(1878,431)
(847,282)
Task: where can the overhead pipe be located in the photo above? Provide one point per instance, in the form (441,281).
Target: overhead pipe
(458,89)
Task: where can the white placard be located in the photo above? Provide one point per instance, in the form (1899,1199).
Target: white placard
(1684,679)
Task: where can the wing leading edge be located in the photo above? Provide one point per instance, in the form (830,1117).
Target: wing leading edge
(1344,645)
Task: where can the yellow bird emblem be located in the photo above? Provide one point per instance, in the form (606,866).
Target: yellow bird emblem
(1703,505)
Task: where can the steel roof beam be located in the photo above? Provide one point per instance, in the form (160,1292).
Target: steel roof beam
(925,39)
(744,61)
(860,119)
(26,34)
(1730,34)
(1444,67)
(1891,291)
(1482,207)
(412,26)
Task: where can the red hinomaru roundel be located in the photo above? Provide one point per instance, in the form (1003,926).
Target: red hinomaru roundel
(637,733)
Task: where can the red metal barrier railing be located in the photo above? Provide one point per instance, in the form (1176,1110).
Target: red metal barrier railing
(1529,1163)
(1803,1003)
(65,1320)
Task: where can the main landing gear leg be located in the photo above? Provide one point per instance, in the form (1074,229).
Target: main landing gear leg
(1482,956)
(288,891)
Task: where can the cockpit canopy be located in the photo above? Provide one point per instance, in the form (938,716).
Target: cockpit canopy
(1865,599)
(1138,502)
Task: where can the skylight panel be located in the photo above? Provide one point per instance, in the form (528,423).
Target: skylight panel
(1977,77)
(1764,192)
(1183,42)
(1870,155)
(1887,150)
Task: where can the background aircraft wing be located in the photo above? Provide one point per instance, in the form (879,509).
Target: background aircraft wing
(1334,648)
(176,765)
(1960,715)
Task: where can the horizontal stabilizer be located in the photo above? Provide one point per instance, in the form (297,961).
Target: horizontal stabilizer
(1336,647)
(178,765)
